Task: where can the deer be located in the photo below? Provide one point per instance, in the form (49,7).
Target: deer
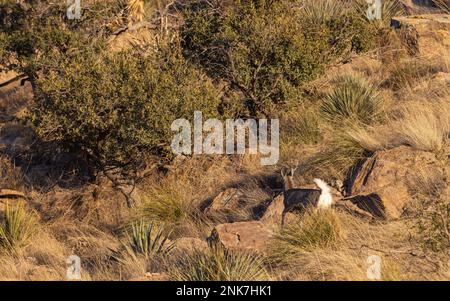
(298,199)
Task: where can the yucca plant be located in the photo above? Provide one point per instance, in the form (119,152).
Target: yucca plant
(148,239)
(324,10)
(219,264)
(353,99)
(17,228)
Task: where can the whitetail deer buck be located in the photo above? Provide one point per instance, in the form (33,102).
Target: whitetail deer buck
(298,199)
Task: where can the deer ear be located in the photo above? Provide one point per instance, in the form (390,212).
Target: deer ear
(293,171)
(282,173)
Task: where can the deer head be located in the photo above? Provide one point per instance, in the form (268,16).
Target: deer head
(288,178)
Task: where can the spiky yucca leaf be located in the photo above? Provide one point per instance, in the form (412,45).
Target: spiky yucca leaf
(17,228)
(324,10)
(148,239)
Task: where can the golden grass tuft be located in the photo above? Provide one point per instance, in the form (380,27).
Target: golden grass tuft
(316,229)
(218,264)
(424,127)
(136,10)
(166,204)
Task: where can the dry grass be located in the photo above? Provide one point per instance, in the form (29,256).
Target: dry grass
(339,153)
(424,126)
(443,4)
(16,229)
(167,202)
(395,243)
(407,73)
(219,265)
(179,198)
(301,127)
(324,245)
(314,230)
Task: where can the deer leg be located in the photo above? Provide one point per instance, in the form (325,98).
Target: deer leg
(283,216)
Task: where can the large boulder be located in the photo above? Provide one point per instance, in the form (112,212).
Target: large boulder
(273,213)
(412,7)
(386,182)
(241,236)
(425,35)
(272,216)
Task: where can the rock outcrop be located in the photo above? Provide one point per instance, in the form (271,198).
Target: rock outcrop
(272,215)
(241,236)
(419,6)
(425,35)
(385,183)
(273,212)
(227,200)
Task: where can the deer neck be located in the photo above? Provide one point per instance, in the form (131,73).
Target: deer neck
(288,183)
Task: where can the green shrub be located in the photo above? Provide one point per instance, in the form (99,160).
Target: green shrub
(369,34)
(433,225)
(114,110)
(353,99)
(218,264)
(17,228)
(32,31)
(117,108)
(265,49)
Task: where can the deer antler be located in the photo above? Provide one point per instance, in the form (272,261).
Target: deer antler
(294,168)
